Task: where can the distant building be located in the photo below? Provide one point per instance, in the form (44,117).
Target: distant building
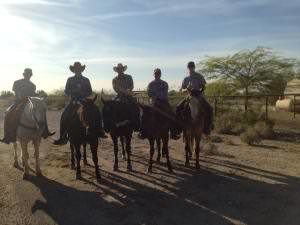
(287,104)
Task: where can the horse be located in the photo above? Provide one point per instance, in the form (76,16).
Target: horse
(193,119)
(117,122)
(30,129)
(82,131)
(157,124)
(85,162)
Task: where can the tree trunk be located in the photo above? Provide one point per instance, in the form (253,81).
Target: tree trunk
(246,99)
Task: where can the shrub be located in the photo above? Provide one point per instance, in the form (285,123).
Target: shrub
(264,130)
(226,123)
(250,136)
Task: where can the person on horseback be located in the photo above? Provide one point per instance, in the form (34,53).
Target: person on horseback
(23,89)
(77,88)
(123,86)
(158,92)
(195,82)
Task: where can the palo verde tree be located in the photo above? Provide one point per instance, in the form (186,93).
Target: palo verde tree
(251,70)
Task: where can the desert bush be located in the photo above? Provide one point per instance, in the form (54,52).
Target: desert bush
(56,102)
(250,136)
(264,130)
(6,94)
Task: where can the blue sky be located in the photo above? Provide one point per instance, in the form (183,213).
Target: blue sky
(48,35)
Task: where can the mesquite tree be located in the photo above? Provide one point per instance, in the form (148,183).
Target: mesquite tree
(256,70)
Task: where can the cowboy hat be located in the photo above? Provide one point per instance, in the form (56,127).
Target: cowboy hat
(77,64)
(120,67)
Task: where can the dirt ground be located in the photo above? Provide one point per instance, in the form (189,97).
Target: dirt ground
(238,184)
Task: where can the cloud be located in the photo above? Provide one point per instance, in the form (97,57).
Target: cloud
(37,2)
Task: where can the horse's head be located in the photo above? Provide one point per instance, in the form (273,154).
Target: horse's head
(35,112)
(195,108)
(87,111)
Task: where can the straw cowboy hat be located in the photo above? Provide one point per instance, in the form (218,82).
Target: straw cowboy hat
(120,68)
(77,65)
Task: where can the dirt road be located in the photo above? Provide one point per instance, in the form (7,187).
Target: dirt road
(237,185)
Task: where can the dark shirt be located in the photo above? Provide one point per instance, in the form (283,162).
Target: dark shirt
(123,83)
(195,81)
(23,88)
(78,87)
(158,90)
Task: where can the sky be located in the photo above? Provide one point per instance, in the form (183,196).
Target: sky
(49,35)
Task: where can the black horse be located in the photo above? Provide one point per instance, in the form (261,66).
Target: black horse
(117,121)
(157,123)
(83,130)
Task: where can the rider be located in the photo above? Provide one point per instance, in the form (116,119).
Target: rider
(23,89)
(123,86)
(77,88)
(158,92)
(195,81)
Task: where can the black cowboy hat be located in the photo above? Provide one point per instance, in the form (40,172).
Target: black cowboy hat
(120,67)
(77,64)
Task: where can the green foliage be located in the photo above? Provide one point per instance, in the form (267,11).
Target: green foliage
(251,136)
(259,69)
(58,92)
(6,94)
(41,93)
(219,88)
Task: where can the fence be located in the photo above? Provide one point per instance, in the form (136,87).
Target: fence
(242,102)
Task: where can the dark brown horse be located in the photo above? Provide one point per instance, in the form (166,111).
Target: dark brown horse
(83,130)
(157,124)
(85,162)
(116,118)
(192,117)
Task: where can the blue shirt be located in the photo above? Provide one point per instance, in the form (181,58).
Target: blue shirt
(158,89)
(195,81)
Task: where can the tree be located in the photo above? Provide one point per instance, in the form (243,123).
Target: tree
(219,88)
(6,94)
(41,93)
(250,70)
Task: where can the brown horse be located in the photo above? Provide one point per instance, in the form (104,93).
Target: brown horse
(83,130)
(116,119)
(193,119)
(157,124)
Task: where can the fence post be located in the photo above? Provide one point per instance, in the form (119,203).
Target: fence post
(215,106)
(267,110)
(294,103)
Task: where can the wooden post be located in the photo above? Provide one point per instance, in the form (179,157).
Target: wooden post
(294,103)
(267,110)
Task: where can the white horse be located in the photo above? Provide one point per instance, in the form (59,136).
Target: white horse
(30,128)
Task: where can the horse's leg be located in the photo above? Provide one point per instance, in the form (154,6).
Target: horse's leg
(25,157)
(85,162)
(36,144)
(166,150)
(72,156)
(116,150)
(78,158)
(123,148)
(94,150)
(197,151)
(158,146)
(151,142)
(16,163)
(187,150)
(128,150)
(191,147)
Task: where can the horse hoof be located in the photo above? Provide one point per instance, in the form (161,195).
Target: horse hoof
(39,174)
(129,168)
(25,176)
(116,168)
(158,160)
(85,163)
(187,164)
(73,167)
(16,164)
(149,170)
(78,176)
(197,166)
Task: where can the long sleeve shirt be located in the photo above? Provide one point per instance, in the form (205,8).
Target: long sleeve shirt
(122,84)
(158,90)
(195,81)
(78,87)
(23,88)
